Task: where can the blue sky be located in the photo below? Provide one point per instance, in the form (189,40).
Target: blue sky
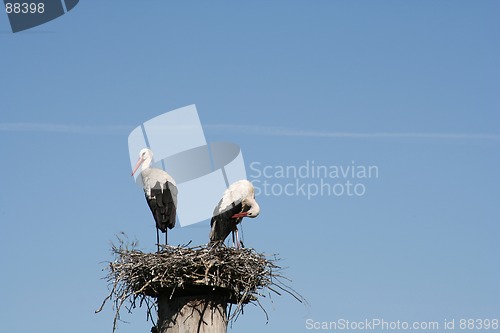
(411,87)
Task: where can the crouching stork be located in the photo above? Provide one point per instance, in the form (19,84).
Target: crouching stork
(237,202)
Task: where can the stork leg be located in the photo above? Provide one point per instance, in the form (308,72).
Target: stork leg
(157,240)
(241,244)
(166,230)
(238,244)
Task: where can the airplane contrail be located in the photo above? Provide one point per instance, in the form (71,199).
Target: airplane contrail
(281,131)
(254,129)
(61,128)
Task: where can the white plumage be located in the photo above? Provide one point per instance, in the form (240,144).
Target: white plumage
(152,176)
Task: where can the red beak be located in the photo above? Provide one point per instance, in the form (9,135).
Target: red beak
(139,162)
(235,216)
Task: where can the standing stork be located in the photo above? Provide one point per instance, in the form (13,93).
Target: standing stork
(237,202)
(160,191)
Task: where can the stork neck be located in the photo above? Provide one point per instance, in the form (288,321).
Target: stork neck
(146,164)
(254,206)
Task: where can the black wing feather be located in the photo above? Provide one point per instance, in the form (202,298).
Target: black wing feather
(163,205)
(223,223)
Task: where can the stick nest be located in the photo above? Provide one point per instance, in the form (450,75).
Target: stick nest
(241,275)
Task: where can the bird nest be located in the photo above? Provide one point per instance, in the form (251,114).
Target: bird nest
(241,276)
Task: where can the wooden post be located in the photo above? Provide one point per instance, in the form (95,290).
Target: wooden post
(192,314)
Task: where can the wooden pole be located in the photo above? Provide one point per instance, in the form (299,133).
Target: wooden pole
(192,314)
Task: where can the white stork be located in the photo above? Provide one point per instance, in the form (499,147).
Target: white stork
(160,191)
(237,202)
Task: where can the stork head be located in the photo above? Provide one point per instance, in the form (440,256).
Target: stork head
(145,159)
(254,210)
(250,200)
